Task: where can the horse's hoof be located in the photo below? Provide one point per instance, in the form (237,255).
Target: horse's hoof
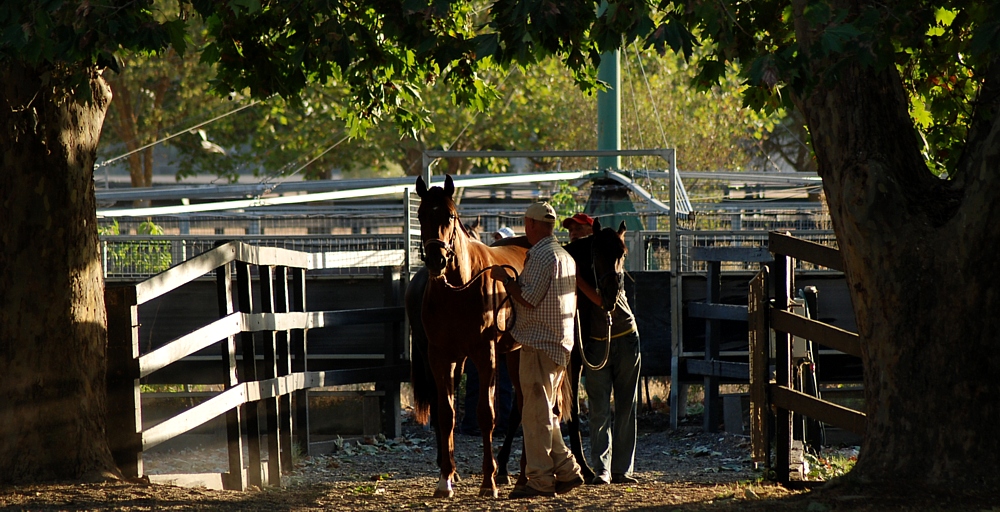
(438,493)
(503,479)
(488,493)
(456,478)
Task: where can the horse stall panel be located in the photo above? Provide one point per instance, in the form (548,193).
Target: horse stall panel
(649,295)
(196,304)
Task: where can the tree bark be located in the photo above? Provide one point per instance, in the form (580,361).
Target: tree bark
(920,263)
(53,332)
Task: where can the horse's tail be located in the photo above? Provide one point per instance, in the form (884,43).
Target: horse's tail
(424,390)
(565,397)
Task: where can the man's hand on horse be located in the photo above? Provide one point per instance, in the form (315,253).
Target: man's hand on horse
(499,273)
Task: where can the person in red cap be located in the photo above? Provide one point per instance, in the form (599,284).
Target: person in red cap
(579,225)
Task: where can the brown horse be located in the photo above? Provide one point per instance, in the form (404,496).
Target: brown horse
(464,316)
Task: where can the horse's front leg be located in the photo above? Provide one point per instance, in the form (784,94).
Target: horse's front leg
(485,415)
(575,438)
(444,372)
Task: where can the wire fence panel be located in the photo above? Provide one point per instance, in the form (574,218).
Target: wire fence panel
(657,248)
(141,256)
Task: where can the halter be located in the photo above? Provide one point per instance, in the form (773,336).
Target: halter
(448,246)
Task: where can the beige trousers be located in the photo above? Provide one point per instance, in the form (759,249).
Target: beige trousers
(548,459)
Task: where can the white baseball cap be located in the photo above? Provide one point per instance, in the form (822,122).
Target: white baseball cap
(541,211)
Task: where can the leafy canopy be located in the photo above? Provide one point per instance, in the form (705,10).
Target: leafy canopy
(383,51)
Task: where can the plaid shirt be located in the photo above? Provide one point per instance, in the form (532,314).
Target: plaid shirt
(548,282)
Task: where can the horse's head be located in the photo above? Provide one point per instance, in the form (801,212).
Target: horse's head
(439,225)
(608,253)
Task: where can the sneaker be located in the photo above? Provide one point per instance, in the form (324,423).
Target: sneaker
(528,492)
(565,487)
(601,479)
(621,478)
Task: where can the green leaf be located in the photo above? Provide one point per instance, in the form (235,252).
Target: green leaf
(177,34)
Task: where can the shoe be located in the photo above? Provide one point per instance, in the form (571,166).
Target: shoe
(620,478)
(528,492)
(565,487)
(600,479)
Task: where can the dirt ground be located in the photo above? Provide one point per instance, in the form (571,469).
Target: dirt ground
(678,470)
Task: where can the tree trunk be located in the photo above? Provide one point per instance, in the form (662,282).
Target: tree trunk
(920,263)
(53,332)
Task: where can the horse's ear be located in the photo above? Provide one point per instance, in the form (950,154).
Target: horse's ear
(475,224)
(421,186)
(621,228)
(597,225)
(449,185)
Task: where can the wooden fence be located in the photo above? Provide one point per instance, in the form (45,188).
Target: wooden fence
(268,382)
(766,315)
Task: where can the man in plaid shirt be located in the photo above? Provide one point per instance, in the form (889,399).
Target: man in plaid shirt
(544,302)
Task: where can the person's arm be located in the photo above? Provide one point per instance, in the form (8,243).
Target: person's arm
(513,288)
(587,290)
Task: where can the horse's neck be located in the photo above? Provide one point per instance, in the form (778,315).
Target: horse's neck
(464,266)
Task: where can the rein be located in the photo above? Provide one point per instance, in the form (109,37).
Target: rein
(579,335)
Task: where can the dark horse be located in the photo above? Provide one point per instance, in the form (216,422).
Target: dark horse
(462,314)
(600,261)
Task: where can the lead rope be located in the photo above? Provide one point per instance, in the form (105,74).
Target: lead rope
(607,346)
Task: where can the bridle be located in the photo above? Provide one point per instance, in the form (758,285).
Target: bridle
(447,246)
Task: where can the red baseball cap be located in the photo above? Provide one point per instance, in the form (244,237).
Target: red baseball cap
(580,218)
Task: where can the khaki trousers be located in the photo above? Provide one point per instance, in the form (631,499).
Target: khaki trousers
(547,457)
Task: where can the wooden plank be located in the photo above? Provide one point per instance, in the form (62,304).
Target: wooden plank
(194,416)
(804,250)
(188,271)
(732,312)
(353,259)
(270,256)
(827,412)
(185,272)
(363,316)
(759,338)
(190,343)
(761,254)
(726,369)
(824,334)
(251,392)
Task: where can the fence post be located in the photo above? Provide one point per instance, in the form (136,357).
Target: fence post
(265,273)
(284,363)
(782,368)
(124,420)
(234,432)
(391,421)
(760,340)
(249,351)
(713,405)
(300,360)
